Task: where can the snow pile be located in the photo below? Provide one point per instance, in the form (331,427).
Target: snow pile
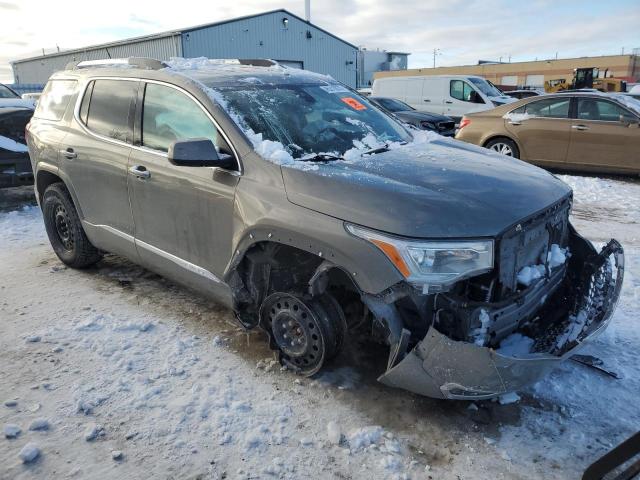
(516,345)
(574,329)
(528,275)
(480,333)
(517,117)
(29,452)
(364,437)
(11,145)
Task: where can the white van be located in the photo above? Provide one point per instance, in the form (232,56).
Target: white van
(452,95)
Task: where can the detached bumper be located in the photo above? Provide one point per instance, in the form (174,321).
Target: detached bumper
(443,368)
(15,169)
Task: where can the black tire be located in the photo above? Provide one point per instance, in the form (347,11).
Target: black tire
(64,229)
(505,146)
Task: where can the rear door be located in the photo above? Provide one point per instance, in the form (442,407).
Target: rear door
(183,215)
(599,139)
(413,92)
(432,96)
(542,129)
(95,154)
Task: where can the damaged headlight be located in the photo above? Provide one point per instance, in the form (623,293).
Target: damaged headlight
(432,265)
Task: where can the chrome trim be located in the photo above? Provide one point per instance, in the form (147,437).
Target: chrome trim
(110,229)
(76,116)
(192,267)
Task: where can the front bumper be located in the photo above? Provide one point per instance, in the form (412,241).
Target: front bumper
(15,169)
(443,368)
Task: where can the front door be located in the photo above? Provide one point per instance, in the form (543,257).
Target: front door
(605,136)
(458,101)
(183,215)
(542,129)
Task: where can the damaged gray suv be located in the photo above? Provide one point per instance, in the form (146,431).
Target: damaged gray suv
(310,212)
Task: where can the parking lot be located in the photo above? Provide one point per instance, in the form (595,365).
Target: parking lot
(117,359)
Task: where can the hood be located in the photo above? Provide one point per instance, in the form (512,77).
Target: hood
(443,188)
(411,115)
(16,102)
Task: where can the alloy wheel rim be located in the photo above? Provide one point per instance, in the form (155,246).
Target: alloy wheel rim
(502,148)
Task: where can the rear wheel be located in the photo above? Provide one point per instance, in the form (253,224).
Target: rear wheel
(504,146)
(306,330)
(64,229)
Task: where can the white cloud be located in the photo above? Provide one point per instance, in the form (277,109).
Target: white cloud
(465,30)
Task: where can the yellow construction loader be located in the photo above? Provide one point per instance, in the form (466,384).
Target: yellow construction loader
(586,78)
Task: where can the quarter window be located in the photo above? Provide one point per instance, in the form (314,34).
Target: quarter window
(549,108)
(460,90)
(55,98)
(169,115)
(110,108)
(594,109)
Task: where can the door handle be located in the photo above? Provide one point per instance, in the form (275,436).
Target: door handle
(448,101)
(580,127)
(69,153)
(426,100)
(514,122)
(140,171)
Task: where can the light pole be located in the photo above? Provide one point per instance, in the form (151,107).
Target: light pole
(436,51)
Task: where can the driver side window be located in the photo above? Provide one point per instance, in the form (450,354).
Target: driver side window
(169,115)
(460,90)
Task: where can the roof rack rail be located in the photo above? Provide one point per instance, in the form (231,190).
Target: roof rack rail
(138,62)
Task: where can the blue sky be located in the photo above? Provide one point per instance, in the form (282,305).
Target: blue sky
(464,30)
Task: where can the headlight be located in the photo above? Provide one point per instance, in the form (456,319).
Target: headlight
(432,265)
(428,125)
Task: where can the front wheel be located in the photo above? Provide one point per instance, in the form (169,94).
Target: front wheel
(64,229)
(504,146)
(306,330)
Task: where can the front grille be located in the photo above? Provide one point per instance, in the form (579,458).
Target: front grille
(442,126)
(523,244)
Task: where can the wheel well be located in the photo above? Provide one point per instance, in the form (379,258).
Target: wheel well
(495,137)
(269,267)
(43,180)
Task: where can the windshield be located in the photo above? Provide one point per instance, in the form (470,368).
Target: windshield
(5,92)
(308,119)
(484,87)
(393,105)
(630,102)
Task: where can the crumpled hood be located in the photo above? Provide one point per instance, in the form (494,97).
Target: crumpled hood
(443,188)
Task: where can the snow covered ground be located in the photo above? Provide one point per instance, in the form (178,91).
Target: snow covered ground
(116,373)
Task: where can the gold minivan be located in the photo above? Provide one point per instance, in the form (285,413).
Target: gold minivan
(575,131)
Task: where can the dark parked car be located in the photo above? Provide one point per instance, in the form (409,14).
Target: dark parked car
(441,124)
(15,166)
(311,212)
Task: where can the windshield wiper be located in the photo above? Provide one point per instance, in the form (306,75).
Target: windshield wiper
(383,148)
(321,157)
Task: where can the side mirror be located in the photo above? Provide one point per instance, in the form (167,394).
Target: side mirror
(629,122)
(196,152)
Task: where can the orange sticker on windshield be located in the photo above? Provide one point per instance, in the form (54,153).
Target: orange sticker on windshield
(353,103)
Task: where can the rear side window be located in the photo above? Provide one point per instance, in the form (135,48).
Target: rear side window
(110,108)
(54,99)
(549,108)
(460,90)
(169,115)
(602,110)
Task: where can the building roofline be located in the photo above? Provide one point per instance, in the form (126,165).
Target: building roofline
(171,33)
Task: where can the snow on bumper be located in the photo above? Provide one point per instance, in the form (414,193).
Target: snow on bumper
(443,368)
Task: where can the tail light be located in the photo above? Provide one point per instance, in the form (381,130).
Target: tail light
(464,122)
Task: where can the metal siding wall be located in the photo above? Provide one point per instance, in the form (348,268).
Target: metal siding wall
(266,37)
(40,69)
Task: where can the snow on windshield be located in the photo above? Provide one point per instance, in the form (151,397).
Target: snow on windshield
(629,102)
(287,121)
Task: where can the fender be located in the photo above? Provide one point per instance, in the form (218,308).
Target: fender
(50,168)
